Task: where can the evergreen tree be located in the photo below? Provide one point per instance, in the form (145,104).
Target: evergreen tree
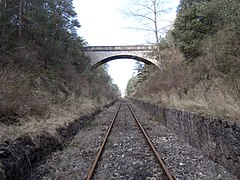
(38,21)
(191,26)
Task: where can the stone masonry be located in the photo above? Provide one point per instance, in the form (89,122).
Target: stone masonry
(217,138)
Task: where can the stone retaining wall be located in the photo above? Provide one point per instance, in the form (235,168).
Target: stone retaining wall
(217,138)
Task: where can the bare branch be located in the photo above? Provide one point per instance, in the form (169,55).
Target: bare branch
(141,29)
(148,13)
(143,17)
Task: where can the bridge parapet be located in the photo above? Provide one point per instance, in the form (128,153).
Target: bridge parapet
(120,48)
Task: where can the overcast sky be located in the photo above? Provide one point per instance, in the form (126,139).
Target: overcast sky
(103,23)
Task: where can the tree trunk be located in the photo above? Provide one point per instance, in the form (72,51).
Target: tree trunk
(156,34)
(20,20)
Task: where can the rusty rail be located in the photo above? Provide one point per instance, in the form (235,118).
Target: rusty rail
(91,171)
(157,155)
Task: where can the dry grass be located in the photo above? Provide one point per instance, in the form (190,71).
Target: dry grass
(36,97)
(18,97)
(28,106)
(59,117)
(212,100)
(198,88)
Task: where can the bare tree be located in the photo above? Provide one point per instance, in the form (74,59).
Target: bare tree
(148,13)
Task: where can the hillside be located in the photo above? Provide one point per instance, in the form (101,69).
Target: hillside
(201,56)
(45,78)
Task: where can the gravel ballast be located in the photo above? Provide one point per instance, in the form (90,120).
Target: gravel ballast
(126,155)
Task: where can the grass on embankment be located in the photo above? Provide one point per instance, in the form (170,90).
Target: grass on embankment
(59,117)
(211,99)
(39,96)
(196,87)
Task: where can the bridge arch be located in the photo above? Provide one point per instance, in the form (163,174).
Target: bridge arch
(102,54)
(111,58)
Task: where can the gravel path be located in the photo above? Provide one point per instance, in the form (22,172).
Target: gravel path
(126,155)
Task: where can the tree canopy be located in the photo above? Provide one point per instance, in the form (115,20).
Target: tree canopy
(40,47)
(199,20)
(39,20)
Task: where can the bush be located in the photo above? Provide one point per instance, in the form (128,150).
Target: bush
(18,97)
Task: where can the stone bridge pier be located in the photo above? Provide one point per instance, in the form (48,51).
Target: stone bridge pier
(102,54)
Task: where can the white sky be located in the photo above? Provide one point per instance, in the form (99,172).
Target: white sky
(104,24)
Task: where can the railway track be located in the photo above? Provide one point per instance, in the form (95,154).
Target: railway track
(126,154)
(125,123)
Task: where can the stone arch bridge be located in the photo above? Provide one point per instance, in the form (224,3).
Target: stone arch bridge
(102,54)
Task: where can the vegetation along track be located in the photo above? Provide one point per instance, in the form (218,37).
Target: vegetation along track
(144,166)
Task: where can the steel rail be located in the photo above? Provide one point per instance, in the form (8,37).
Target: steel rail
(93,167)
(157,155)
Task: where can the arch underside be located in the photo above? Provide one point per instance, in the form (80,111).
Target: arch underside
(137,58)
